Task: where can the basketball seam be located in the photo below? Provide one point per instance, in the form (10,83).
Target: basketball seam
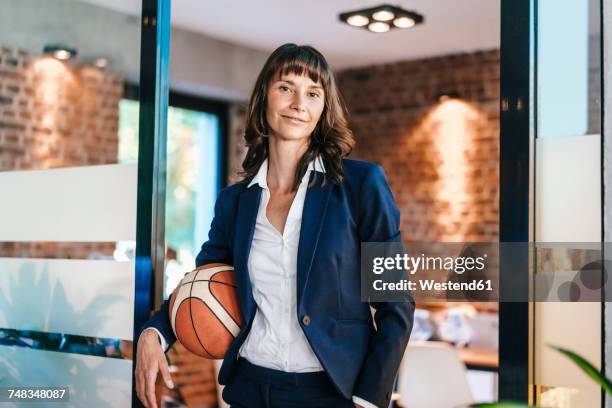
(207,280)
(193,324)
(221,303)
(176,329)
(220,321)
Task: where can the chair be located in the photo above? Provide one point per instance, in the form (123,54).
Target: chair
(431,375)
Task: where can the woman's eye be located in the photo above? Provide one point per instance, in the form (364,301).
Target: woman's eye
(284,88)
(314,94)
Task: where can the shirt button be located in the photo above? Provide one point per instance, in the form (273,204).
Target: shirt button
(306,320)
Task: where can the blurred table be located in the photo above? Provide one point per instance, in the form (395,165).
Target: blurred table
(479,359)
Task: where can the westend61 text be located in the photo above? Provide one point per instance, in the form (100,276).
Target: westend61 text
(430,284)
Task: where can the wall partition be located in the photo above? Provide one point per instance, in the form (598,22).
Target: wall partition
(567,211)
(552,196)
(81,232)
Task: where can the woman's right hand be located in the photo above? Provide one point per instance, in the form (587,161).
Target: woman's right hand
(150,360)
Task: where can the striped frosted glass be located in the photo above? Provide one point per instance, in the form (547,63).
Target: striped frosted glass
(91,203)
(568,183)
(93,382)
(92,298)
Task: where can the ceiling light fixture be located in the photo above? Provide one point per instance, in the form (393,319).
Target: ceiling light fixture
(381,18)
(61,52)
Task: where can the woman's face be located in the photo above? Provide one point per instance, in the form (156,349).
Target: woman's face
(295,104)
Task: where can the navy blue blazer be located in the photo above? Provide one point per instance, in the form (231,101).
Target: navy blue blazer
(359,358)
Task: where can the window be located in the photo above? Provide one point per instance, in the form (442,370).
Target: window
(195,172)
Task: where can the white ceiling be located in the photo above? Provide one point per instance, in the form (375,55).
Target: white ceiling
(451,26)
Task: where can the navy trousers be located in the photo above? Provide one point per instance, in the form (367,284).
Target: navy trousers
(253,386)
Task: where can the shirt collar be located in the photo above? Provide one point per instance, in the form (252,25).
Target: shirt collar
(262,174)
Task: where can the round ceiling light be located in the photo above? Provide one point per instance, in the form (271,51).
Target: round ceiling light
(404,22)
(379,27)
(383,15)
(358,20)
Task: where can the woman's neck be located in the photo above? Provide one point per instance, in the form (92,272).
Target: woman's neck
(283,159)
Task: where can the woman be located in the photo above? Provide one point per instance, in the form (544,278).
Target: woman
(292,229)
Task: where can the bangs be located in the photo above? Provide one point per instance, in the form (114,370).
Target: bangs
(302,63)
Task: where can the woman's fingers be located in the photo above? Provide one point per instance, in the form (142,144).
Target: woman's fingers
(140,389)
(165,372)
(150,360)
(138,376)
(141,382)
(151,376)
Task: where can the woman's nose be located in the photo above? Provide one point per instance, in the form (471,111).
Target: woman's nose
(298,101)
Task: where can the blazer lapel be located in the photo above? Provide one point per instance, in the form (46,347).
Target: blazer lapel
(313,216)
(248,205)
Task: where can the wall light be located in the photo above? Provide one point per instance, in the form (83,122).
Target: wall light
(381,18)
(61,52)
(445,96)
(101,62)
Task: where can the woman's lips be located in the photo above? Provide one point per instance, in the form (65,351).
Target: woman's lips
(294,120)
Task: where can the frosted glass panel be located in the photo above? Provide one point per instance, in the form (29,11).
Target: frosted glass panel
(94,382)
(568,209)
(92,203)
(568,180)
(81,297)
(67,205)
(575,326)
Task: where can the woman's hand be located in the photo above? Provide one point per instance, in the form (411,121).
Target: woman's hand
(149,361)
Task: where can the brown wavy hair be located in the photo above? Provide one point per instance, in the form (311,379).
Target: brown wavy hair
(331,138)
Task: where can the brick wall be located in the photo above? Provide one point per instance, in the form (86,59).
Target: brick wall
(54,114)
(441,158)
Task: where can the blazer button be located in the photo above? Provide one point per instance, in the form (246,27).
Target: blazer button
(306,320)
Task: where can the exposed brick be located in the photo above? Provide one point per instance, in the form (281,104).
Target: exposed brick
(398,103)
(73,111)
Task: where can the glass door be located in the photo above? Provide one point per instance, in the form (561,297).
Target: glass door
(73,215)
(567,210)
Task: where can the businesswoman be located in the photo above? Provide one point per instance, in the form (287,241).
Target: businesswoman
(292,229)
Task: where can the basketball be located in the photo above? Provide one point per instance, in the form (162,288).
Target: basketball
(204,310)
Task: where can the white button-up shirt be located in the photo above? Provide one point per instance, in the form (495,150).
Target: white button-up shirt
(276,339)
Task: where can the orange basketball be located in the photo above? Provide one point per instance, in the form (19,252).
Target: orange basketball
(204,310)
